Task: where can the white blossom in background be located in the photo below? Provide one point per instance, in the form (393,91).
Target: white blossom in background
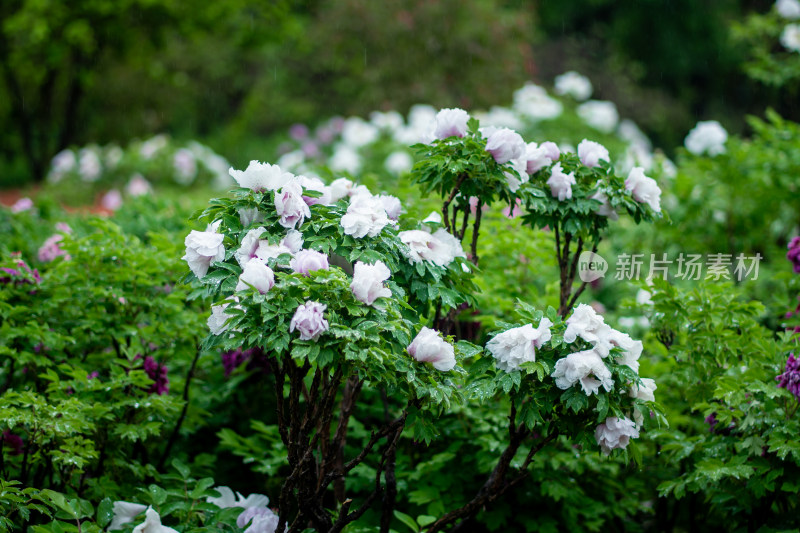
(152,146)
(601,115)
(21,205)
(388,121)
(261,176)
(561,183)
(398,162)
(420,118)
(644,189)
(429,347)
(591,153)
(357,132)
(64,161)
(89,165)
(586,368)
(227,499)
(365,216)
(500,117)
(185,166)
(788,9)
(345,159)
(367,285)
(292,161)
(113,156)
(573,84)
(450,123)
(630,132)
(790,37)
(124,513)
(518,345)
(615,433)
(504,144)
(152,524)
(533,102)
(605,210)
(202,248)
(708,136)
(258,275)
(138,186)
(644,297)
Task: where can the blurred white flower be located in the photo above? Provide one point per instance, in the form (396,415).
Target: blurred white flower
(357,132)
(708,136)
(533,102)
(112,200)
(644,189)
(398,162)
(185,166)
(788,9)
(500,117)
(388,121)
(601,115)
(89,165)
(151,146)
(345,159)
(574,84)
(138,186)
(790,38)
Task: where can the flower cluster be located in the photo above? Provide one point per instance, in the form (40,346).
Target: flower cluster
(793,254)
(790,379)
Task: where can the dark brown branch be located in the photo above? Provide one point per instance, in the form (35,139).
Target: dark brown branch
(476,227)
(446,205)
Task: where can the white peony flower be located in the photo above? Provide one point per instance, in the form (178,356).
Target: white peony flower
(536,158)
(250,244)
(533,102)
(514,181)
(390,120)
(152,524)
(790,37)
(600,115)
(584,323)
(518,345)
(138,186)
(575,85)
(391,204)
(643,189)
(504,145)
(605,210)
(291,244)
(434,218)
(422,246)
(365,216)
(290,206)
(450,123)
(261,520)
(341,188)
(261,176)
(202,248)
(429,347)
(309,320)
(645,391)
(257,274)
(89,165)
(227,499)
(631,349)
(315,184)
(367,285)
(216,322)
(453,244)
(561,183)
(788,9)
(707,137)
(615,433)
(124,513)
(398,162)
(586,368)
(591,153)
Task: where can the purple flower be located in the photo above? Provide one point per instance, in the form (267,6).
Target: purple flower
(50,249)
(790,379)
(233,360)
(13,441)
(711,420)
(298,131)
(309,321)
(158,373)
(21,275)
(793,254)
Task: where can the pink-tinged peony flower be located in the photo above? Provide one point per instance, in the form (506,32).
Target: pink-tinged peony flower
(793,254)
(536,158)
(290,206)
(203,248)
(256,274)
(515,179)
(112,200)
(591,153)
(250,244)
(217,321)
(23,204)
(513,213)
(643,189)
(309,321)
(586,368)
(152,524)
(422,246)
(451,123)
(298,131)
(261,520)
(306,261)
(158,373)
(291,244)
(708,136)
(138,186)
(365,216)
(645,391)
(573,84)
(615,433)
(518,345)
(50,249)
(345,159)
(429,347)
(315,184)
(89,165)
(367,285)
(261,176)
(504,145)
(185,166)
(124,513)
(605,209)
(552,150)
(561,183)
(392,205)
